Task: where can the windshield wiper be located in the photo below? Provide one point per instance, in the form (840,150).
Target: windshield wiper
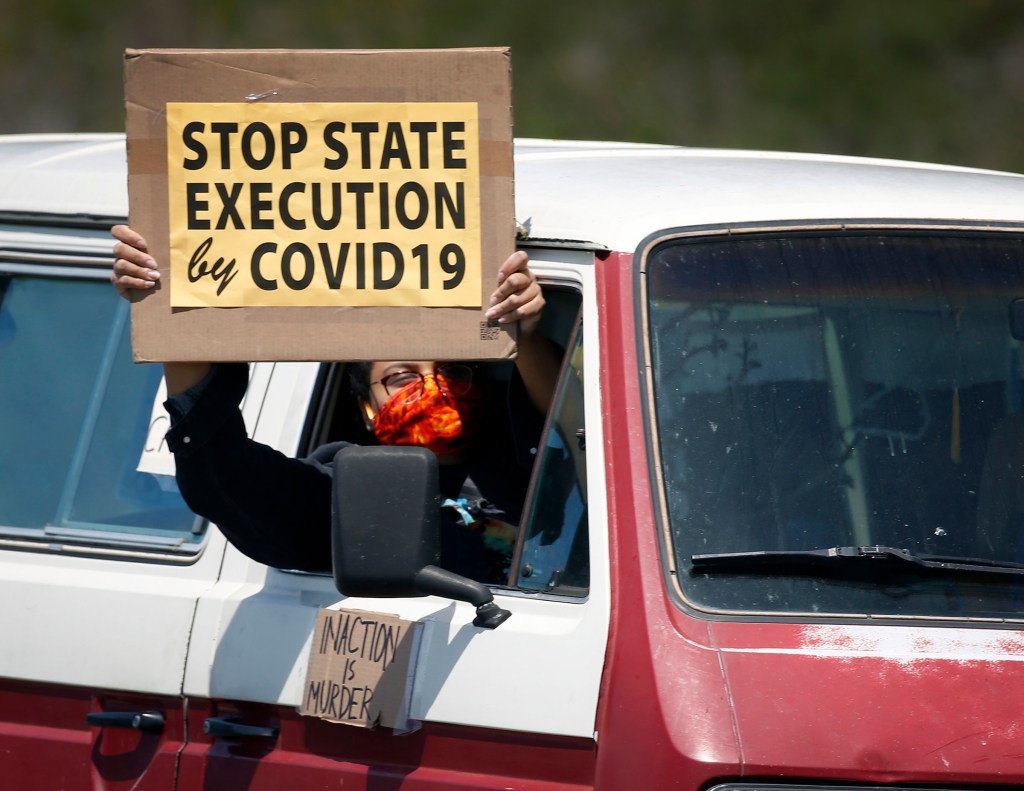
(845,556)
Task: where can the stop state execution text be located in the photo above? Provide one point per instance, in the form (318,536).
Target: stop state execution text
(429,199)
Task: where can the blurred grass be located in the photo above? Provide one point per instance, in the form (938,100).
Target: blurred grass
(933,80)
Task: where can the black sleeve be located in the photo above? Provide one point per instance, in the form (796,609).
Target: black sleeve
(275,509)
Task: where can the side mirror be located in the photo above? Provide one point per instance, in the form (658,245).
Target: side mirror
(386,530)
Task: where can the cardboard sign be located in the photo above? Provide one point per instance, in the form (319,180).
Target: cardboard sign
(361,667)
(320,205)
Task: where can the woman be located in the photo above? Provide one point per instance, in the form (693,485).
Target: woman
(276,509)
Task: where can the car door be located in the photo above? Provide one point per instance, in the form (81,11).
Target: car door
(101,562)
(512,706)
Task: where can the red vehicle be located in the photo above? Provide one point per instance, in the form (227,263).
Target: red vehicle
(773,538)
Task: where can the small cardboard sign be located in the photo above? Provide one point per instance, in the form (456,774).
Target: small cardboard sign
(320,205)
(361,668)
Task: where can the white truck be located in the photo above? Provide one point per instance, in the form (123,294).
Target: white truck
(772,540)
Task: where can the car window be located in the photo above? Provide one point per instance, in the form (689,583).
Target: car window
(555,550)
(838,390)
(554,520)
(74,420)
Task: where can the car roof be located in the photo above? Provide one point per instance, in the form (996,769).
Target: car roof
(74,176)
(618,194)
(606,194)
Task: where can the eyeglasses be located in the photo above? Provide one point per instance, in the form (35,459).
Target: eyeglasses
(453,379)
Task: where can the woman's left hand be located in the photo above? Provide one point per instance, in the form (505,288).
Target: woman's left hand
(518,297)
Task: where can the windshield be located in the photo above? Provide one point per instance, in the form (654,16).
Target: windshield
(842,390)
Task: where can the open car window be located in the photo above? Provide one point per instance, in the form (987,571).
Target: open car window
(553,552)
(521,442)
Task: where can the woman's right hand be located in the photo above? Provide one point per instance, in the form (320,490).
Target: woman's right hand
(134,268)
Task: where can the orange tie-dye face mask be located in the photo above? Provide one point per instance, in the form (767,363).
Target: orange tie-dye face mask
(440,423)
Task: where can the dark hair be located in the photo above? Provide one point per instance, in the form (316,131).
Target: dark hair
(358,375)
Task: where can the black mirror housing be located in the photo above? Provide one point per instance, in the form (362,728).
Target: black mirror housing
(385,515)
(386,530)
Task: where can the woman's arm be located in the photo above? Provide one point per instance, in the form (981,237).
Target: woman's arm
(273,508)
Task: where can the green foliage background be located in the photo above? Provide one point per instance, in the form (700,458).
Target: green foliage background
(934,80)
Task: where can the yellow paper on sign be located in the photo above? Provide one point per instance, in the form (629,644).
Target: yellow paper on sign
(324,204)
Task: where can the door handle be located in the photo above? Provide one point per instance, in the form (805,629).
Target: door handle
(232,728)
(145,721)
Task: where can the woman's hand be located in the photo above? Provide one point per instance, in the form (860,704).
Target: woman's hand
(518,297)
(134,269)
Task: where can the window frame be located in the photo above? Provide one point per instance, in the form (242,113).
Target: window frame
(330,388)
(74,537)
(575,344)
